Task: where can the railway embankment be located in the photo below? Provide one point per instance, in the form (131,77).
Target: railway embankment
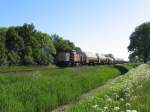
(44,90)
(128,93)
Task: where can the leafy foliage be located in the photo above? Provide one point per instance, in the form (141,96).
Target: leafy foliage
(64,45)
(24,45)
(140,43)
(2,47)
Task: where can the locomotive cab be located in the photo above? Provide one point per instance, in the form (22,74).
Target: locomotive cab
(63,59)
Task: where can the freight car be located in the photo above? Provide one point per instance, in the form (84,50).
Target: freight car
(91,58)
(101,59)
(74,58)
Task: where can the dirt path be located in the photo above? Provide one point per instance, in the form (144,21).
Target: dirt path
(83,96)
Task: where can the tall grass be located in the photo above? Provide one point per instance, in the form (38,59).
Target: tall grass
(141,99)
(129,66)
(42,91)
(23,68)
(127,93)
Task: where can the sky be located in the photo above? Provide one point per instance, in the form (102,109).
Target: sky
(102,26)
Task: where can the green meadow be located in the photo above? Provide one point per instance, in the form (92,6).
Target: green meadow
(43,90)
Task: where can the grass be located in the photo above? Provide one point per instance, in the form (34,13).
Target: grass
(127,93)
(141,100)
(44,90)
(129,66)
(23,68)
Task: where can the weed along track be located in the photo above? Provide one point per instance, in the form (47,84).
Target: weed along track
(124,93)
(29,69)
(24,69)
(84,96)
(45,90)
(94,91)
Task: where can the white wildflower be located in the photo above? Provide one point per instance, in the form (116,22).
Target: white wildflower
(99,109)
(131,111)
(109,99)
(134,111)
(128,105)
(121,99)
(94,106)
(117,96)
(105,108)
(116,108)
(106,96)
(128,110)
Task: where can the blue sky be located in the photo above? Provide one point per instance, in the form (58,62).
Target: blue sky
(102,26)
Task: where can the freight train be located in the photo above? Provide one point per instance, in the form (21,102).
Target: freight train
(74,58)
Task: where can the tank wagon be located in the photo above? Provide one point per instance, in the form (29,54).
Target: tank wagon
(91,58)
(101,59)
(74,58)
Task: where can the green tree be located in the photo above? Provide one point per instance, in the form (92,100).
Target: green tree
(14,44)
(134,58)
(63,45)
(28,57)
(140,42)
(13,40)
(78,49)
(3,57)
(27,32)
(25,45)
(43,48)
(13,58)
(59,43)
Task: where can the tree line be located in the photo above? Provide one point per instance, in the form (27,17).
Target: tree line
(24,45)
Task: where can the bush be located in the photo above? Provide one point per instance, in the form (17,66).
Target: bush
(28,60)
(13,58)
